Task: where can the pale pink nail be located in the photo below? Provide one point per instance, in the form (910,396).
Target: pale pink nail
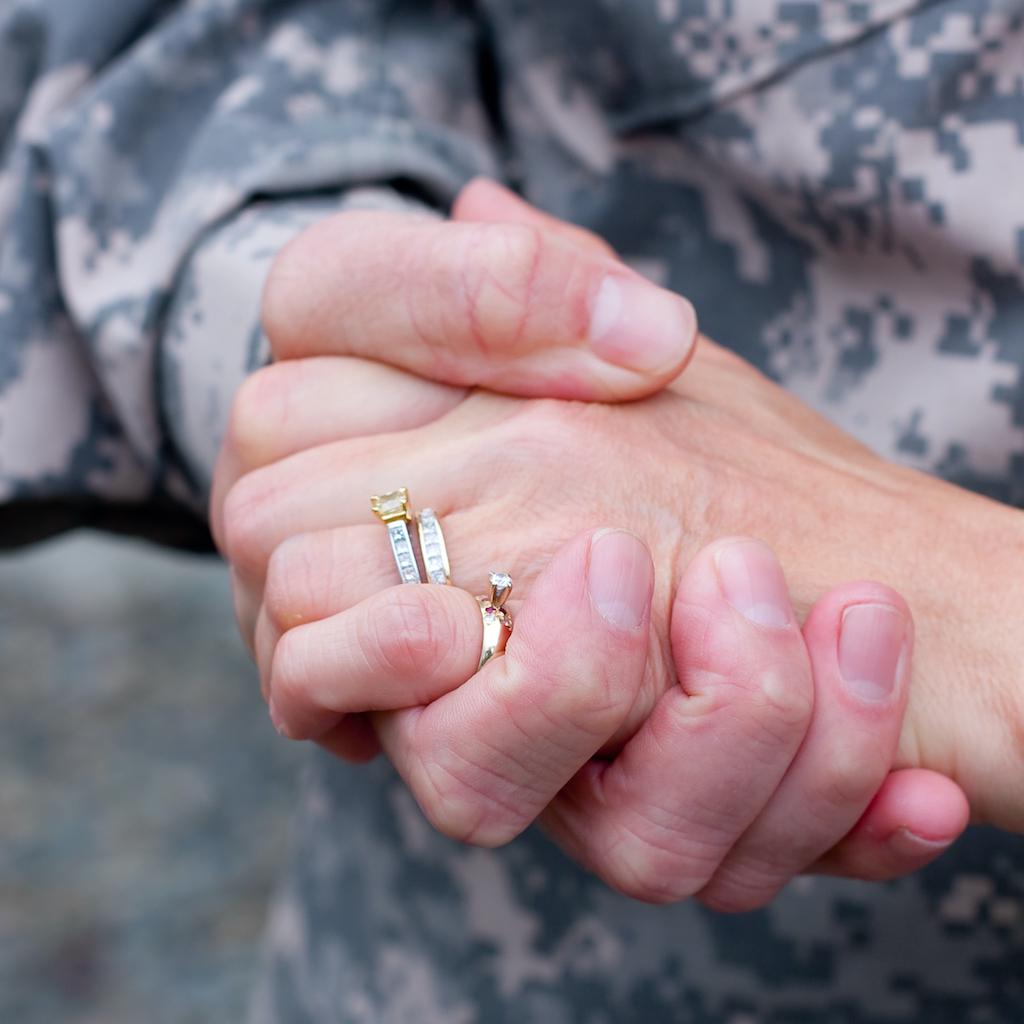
(620,578)
(872,638)
(752,582)
(639,326)
(907,842)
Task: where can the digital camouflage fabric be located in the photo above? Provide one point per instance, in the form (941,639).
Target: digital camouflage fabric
(838,186)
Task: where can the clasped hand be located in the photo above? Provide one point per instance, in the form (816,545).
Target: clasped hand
(675,715)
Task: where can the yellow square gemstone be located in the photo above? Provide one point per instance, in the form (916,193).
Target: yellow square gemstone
(392,506)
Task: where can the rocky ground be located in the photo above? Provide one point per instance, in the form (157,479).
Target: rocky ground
(144,798)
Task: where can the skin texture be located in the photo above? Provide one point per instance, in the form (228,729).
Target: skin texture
(723,451)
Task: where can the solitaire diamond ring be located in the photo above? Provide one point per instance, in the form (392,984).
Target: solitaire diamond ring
(497,621)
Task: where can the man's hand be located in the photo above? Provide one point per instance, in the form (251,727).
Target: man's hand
(754,768)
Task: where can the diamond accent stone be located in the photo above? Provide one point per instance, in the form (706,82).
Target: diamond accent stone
(501,581)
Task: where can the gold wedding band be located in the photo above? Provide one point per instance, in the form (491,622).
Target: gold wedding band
(497,621)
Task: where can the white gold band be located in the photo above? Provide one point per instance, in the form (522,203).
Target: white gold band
(401,547)
(432,548)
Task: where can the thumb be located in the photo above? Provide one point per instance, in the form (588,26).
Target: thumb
(523,305)
(486,758)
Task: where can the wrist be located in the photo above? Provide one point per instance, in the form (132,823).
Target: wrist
(965,585)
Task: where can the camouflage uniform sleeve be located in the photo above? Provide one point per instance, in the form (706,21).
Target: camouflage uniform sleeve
(155,156)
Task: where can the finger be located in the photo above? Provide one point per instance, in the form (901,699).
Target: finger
(485,759)
(352,739)
(330,486)
(859,638)
(915,817)
(313,576)
(514,308)
(288,407)
(483,199)
(403,647)
(658,820)
(247,609)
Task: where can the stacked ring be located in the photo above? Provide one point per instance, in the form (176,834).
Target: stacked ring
(392,510)
(432,548)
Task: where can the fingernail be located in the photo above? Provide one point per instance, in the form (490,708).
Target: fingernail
(905,841)
(871,643)
(639,326)
(620,578)
(277,721)
(752,582)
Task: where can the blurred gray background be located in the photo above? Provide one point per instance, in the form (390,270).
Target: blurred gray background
(144,797)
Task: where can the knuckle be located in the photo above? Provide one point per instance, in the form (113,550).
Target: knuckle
(769,704)
(286,307)
(739,888)
(641,885)
(463,804)
(290,590)
(582,715)
(407,636)
(658,862)
(642,876)
(458,817)
(790,696)
(712,655)
(518,249)
(256,414)
(297,290)
(289,672)
(727,902)
(849,778)
(721,491)
(498,275)
(545,430)
(246,517)
(767,734)
(732,899)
